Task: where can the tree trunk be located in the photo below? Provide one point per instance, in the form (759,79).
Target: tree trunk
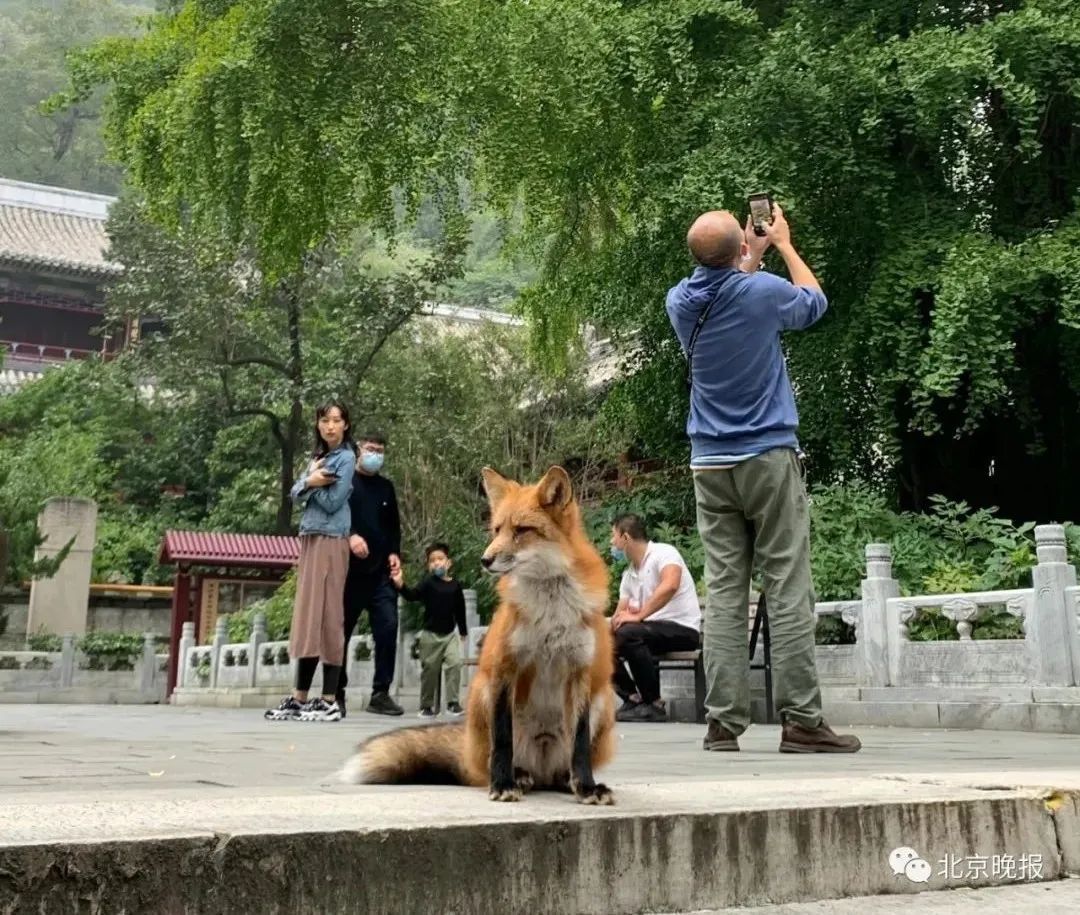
(294,428)
(284,513)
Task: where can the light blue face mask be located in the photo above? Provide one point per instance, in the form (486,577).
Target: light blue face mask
(618,555)
(371,462)
(440,571)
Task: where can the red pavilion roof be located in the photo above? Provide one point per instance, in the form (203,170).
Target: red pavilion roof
(217,549)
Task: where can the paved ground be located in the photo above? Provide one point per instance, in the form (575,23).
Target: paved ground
(47,750)
(1061,897)
(230,791)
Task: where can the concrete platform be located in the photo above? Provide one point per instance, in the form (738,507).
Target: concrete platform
(163,809)
(1060,897)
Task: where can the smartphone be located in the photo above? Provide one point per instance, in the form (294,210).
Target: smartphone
(760,212)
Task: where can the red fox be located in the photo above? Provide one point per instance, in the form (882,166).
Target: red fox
(541,709)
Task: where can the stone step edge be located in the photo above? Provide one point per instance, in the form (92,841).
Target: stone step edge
(678,862)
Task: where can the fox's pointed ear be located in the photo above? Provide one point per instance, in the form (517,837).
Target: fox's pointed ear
(495,485)
(555,488)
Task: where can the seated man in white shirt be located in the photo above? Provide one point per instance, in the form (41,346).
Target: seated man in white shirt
(658,612)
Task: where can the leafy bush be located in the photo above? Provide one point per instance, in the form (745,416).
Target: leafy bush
(670,517)
(952,548)
(43,641)
(278,608)
(38,663)
(832,630)
(127,547)
(111,650)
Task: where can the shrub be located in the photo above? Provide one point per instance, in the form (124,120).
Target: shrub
(951,548)
(111,650)
(43,641)
(278,608)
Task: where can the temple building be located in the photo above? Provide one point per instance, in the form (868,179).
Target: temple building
(53,269)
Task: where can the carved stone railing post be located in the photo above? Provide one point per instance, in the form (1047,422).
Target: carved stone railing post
(472,614)
(1051,635)
(67,660)
(147,668)
(221,636)
(187,641)
(258,637)
(900,614)
(876,639)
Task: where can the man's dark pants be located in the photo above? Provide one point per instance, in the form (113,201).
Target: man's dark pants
(376,594)
(636,646)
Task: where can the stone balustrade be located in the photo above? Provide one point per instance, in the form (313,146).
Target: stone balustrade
(67,675)
(882,664)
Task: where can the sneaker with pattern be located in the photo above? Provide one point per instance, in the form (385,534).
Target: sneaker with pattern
(318,709)
(288,710)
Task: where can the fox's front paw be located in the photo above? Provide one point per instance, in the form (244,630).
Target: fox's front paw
(507,793)
(524,781)
(594,794)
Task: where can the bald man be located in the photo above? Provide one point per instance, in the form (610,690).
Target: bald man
(751,502)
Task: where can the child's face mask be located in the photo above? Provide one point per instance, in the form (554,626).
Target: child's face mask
(371,462)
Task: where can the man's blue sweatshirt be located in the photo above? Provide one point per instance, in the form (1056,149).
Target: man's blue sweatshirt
(741,403)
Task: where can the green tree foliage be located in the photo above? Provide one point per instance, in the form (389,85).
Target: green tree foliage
(246,347)
(284,121)
(454,399)
(924,153)
(59,147)
(86,430)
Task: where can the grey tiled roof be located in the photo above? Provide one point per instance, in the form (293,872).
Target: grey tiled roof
(54,228)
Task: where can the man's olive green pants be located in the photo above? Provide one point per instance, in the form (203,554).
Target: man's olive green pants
(439,653)
(756,512)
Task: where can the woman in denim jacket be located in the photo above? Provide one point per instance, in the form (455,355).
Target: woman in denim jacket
(318,622)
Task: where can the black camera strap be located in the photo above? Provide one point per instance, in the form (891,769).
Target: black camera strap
(702,318)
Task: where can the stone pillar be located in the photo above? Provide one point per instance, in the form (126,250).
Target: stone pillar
(258,636)
(877,646)
(472,615)
(67,660)
(1051,630)
(221,636)
(147,671)
(179,653)
(59,603)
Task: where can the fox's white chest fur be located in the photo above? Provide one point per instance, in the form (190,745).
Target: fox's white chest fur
(554,624)
(554,638)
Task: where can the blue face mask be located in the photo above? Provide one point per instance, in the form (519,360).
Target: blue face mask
(618,555)
(371,462)
(440,571)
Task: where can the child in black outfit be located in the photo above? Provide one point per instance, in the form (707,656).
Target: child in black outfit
(440,647)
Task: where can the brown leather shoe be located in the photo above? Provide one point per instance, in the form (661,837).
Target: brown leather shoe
(822,739)
(719,738)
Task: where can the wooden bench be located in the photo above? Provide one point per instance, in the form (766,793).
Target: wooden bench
(688,660)
(692,660)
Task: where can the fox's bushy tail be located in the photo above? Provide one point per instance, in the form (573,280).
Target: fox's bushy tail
(423,755)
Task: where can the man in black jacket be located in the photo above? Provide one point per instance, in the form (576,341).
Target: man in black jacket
(375,548)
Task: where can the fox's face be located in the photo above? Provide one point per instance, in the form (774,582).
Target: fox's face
(528,525)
